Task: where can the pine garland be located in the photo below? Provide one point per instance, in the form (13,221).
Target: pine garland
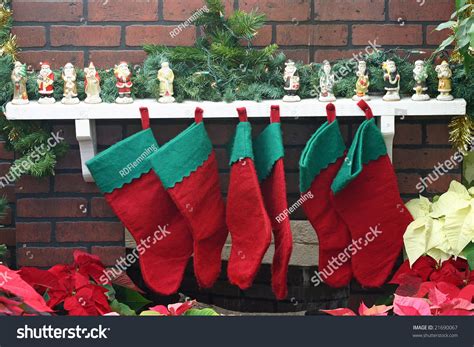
(223,65)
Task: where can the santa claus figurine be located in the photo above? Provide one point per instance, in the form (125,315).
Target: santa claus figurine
(45,82)
(70,88)
(124,83)
(92,85)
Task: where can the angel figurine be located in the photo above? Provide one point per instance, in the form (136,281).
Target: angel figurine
(326,83)
(92,85)
(70,88)
(20,96)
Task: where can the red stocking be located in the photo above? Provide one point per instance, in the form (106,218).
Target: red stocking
(368,199)
(137,196)
(188,169)
(247,219)
(269,152)
(319,164)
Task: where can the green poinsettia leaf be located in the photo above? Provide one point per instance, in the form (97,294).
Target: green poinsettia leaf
(150,313)
(201,312)
(446,25)
(121,309)
(468,252)
(130,298)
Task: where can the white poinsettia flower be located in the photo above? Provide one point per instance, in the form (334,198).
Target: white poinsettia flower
(457,197)
(415,239)
(419,207)
(459,228)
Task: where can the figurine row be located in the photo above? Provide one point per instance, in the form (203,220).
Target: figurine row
(45,81)
(165,76)
(391,78)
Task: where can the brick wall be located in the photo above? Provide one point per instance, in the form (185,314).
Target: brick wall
(49,218)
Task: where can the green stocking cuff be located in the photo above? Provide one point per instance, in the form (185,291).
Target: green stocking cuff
(325,147)
(241,146)
(368,145)
(183,155)
(268,148)
(123,162)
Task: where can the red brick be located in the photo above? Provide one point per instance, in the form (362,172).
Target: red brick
(220,133)
(434,37)
(31,36)
(108,135)
(387,34)
(72,160)
(138,35)
(73,183)
(263,37)
(91,36)
(100,208)
(46,256)
(407,134)
(48,11)
(4,154)
(109,255)
(283,10)
(108,59)
(68,132)
(7,236)
(8,192)
(439,10)
(4,168)
(325,10)
(420,158)
(437,134)
(52,207)
(7,217)
(89,231)
(181,10)
(321,35)
(57,59)
(122,10)
(335,54)
(33,232)
(30,184)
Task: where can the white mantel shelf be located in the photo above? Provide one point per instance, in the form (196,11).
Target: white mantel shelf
(85,115)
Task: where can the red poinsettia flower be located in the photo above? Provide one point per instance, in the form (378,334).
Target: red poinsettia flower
(89,300)
(89,265)
(174,309)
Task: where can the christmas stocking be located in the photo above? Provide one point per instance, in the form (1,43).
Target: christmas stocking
(124,175)
(319,164)
(187,167)
(247,219)
(368,199)
(269,152)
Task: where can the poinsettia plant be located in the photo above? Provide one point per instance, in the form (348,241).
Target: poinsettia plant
(18,298)
(78,288)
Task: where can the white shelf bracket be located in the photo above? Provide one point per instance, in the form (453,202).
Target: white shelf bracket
(387,127)
(86,136)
